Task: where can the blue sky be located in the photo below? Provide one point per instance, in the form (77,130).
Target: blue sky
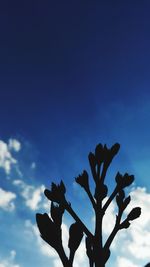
(72,75)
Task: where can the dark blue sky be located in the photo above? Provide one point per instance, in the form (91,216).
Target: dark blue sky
(70,70)
(62,65)
(73,74)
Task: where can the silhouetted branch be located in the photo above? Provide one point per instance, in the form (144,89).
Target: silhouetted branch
(50,227)
(78,220)
(110,199)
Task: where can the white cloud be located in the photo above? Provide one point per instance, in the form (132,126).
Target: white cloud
(121,261)
(46,250)
(135,241)
(6,158)
(32,231)
(9,262)
(32,195)
(14,144)
(6,200)
(138,239)
(35,197)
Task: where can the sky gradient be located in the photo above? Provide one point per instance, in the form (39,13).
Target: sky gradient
(72,75)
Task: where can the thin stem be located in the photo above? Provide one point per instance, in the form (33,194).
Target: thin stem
(63,257)
(114,231)
(98,172)
(98,242)
(77,219)
(91,198)
(112,196)
(103,173)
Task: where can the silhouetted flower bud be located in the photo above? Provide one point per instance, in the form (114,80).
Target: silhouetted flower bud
(99,153)
(57,192)
(134,214)
(122,202)
(83,180)
(126,202)
(109,154)
(120,197)
(114,149)
(75,236)
(125,180)
(92,160)
(100,191)
(118,178)
(47,229)
(57,213)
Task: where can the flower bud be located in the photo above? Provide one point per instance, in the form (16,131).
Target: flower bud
(83,180)
(75,236)
(57,193)
(56,213)
(134,214)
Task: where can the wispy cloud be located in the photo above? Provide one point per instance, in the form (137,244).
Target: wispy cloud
(10,261)
(6,200)
(32,195)
(7,160)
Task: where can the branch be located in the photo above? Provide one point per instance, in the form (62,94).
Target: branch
(63,257)
(77,219)
(91,198)
(112,196)
(114,231)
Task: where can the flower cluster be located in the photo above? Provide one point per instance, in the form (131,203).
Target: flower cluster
(50,227)
(57,193)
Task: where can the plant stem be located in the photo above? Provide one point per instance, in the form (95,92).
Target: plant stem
(91,198)
(114,193)
(77,219)
(63,257)
(98,242)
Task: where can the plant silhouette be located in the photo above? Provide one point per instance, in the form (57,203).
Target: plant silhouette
(97,251)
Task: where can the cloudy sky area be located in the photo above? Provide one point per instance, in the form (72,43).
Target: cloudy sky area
(72,75)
